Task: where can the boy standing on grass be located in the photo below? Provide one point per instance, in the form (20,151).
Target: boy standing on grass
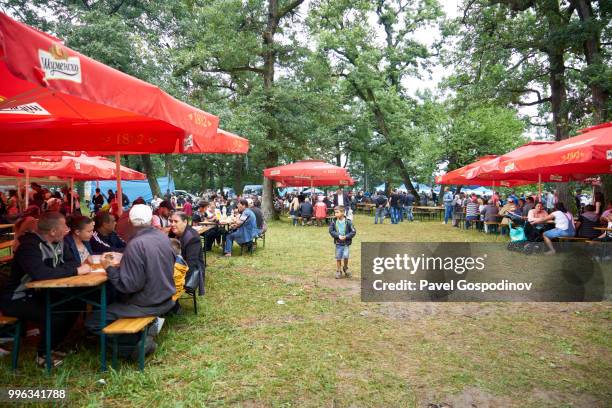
(343,231)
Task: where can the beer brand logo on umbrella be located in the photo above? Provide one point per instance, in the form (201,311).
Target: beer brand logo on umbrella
(58,65)
(28,109)
(609,155)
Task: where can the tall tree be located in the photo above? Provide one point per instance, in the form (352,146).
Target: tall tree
(377,65)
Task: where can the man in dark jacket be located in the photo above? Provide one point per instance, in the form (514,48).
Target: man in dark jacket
(104,238)
(343,231)
(40,256)
(144,279)
(381,204)
(341,199)
(306,210)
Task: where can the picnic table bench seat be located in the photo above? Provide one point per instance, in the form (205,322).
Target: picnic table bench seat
(129,325)
(12,327)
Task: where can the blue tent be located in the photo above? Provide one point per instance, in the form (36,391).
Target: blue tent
(419,186)
(253,189)
(134,189)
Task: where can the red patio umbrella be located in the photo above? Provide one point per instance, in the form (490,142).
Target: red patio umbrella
(574,158)
(311,173)
(77,168)
(54,98)
(70,168)
(460,176)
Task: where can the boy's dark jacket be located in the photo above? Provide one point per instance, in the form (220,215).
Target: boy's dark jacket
(350,232)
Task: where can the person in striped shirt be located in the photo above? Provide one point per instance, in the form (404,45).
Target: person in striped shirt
(471,210)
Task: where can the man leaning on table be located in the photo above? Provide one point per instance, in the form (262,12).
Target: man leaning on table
(143,278)
(41,255)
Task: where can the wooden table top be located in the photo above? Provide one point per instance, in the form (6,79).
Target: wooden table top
(420,207)
(80,281)
(602,228)
(202,228)
(7,225)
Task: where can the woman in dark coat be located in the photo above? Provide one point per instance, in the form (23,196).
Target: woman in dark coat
(191,245)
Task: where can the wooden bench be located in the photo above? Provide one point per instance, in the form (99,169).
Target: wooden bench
(131,325)
(12,327)
(572,239)
(7,245)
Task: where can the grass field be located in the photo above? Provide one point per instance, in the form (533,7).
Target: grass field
(323,347)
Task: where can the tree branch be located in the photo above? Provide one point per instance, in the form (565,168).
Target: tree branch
(288,9)
(538,102)
(235,69)
(116,7)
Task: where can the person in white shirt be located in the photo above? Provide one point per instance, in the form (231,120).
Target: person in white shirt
(564,226)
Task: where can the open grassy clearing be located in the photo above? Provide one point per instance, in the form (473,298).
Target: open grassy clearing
(324,347)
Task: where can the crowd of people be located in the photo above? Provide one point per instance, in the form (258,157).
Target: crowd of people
(141,247)
(543,218)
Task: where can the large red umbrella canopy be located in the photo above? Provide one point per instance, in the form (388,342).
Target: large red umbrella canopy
(54,98)
(575,158)
(309,173)
(77,168)
(460,176)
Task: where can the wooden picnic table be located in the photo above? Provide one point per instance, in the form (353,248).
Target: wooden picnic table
(603,229)
(90,283)
(6,226)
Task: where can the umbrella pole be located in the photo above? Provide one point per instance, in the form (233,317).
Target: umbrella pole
(71,195)
(540,187)
(27,183)
(19,205)
(119,196)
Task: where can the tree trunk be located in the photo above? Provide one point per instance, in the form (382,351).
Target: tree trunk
(238,171)
(203,176)
(267,198)
(592,54)
(558,101)
(147,166)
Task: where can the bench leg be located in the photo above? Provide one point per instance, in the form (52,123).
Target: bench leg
(114,358)
(141,351)
(16,342)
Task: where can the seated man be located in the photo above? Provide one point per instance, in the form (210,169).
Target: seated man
(245,228)
(41,255)
(104,238)
(144,278)
(306,211)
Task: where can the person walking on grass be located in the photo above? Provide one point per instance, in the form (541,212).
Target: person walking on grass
(343,232)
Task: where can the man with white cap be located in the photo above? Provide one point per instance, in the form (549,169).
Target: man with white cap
(143,278)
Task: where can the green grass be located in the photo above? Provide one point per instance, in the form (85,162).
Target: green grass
(324,347)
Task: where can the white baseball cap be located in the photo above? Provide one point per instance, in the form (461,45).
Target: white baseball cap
(141,215)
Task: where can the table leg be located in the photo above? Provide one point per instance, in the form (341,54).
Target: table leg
(103,324)
(48,330)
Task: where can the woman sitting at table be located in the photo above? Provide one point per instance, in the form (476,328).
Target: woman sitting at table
(77,241)
(564,226)
(534,231)
(191,246)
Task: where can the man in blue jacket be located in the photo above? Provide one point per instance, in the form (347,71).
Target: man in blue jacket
(244,230)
